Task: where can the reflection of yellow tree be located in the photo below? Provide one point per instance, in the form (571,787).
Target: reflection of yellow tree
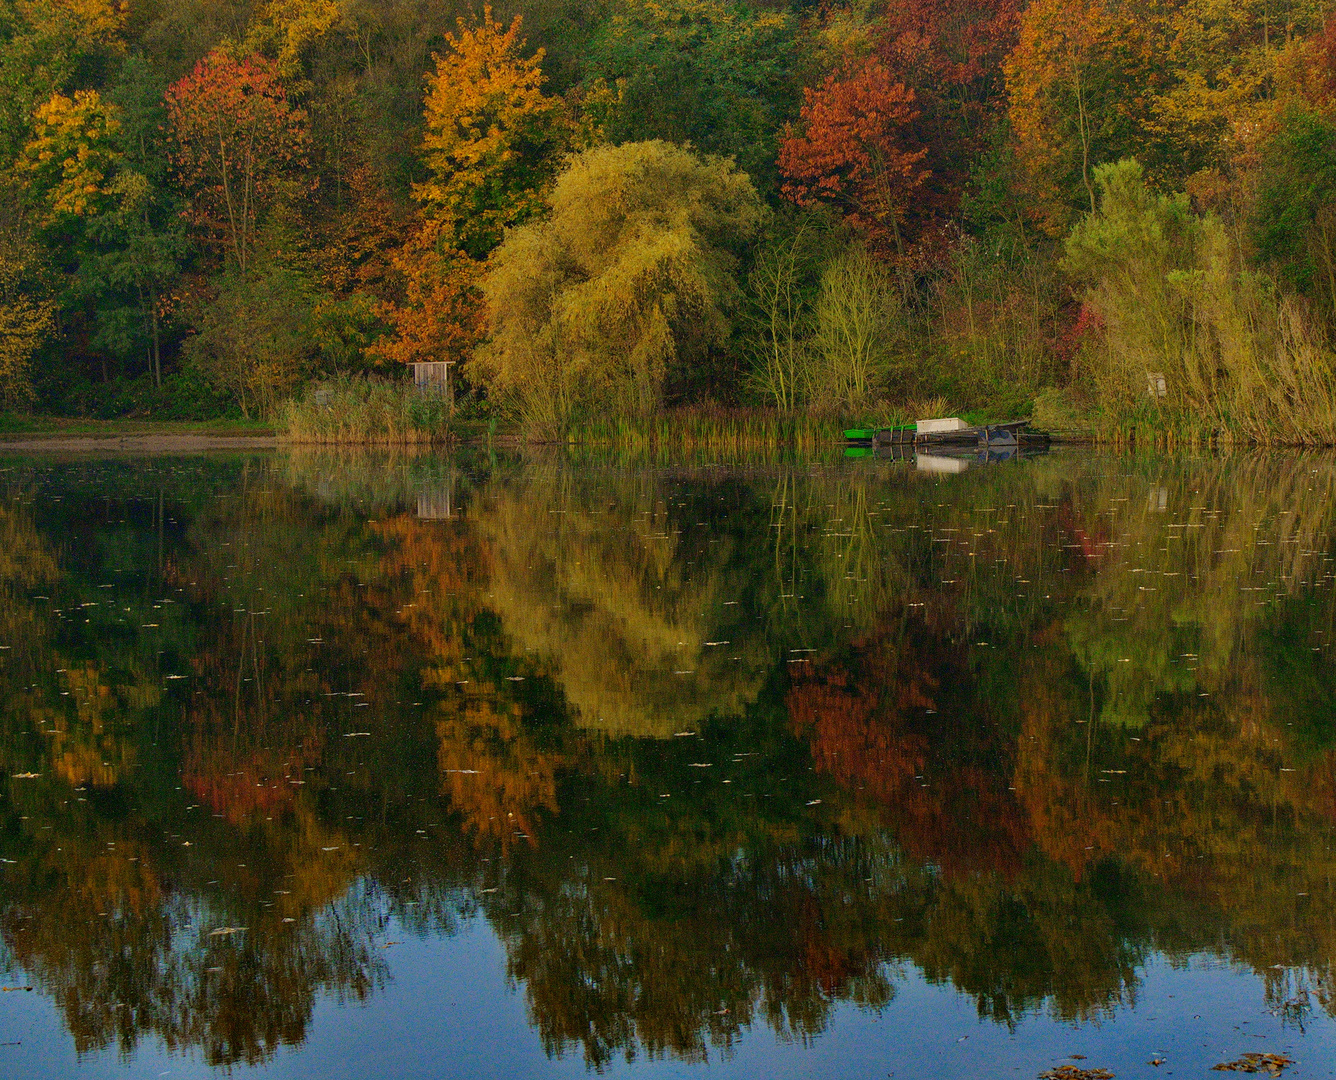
(1201,557)
(600,584)
(25,561)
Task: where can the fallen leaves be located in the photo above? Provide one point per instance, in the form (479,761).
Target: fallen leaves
(1274,1064)
(1071,1072)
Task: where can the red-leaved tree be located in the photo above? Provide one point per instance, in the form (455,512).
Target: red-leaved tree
(851,149)
(237,137)
(926,103)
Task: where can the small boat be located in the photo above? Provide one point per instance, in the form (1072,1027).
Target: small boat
(898,436)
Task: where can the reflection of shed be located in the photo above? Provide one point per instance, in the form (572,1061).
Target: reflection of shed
(433,376)
(437,503)
(940,463)
(435,506)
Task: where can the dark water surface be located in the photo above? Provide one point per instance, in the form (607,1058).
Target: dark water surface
(338,766)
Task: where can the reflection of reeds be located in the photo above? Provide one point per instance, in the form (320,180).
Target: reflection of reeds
(716,431)
(383,479)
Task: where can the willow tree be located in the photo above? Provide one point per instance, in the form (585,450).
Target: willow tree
(630,277)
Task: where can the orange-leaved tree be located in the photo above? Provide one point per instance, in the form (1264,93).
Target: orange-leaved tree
(1068,102)
(494,139)
(437,312)
(851,150)
(493,143)
(237,138)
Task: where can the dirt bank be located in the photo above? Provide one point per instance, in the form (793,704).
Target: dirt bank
(132,444)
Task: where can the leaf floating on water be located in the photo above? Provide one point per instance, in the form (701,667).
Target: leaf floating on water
(334,848)
(223,931)
(1274,1064)
(1071,1072)
(700,765)
(27,775)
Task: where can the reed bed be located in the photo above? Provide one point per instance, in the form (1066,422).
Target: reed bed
(356,409)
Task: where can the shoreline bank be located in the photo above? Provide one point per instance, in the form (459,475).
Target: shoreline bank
(163,443)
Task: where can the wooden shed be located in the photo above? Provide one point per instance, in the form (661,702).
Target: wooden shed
(433,376)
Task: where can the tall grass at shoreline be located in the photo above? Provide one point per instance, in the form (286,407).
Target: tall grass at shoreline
(1195,346)
(356,409)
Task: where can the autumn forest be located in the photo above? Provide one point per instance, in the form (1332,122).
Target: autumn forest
(860,210)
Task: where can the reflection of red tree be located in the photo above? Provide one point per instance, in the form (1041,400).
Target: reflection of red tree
(850,741)
(870,729)
(247,740)
(240,787)
(1093,540)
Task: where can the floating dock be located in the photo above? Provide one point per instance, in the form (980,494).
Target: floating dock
(950,431)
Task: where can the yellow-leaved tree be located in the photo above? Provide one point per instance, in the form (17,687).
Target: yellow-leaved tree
(72,153)
(1179,85)
(43,44)
(629,278)
(283,29)
(1061,83)
(25,322)
(494,139)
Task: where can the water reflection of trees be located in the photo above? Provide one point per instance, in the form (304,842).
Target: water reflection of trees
(1017,730)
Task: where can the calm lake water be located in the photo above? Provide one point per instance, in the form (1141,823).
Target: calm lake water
(331,766)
